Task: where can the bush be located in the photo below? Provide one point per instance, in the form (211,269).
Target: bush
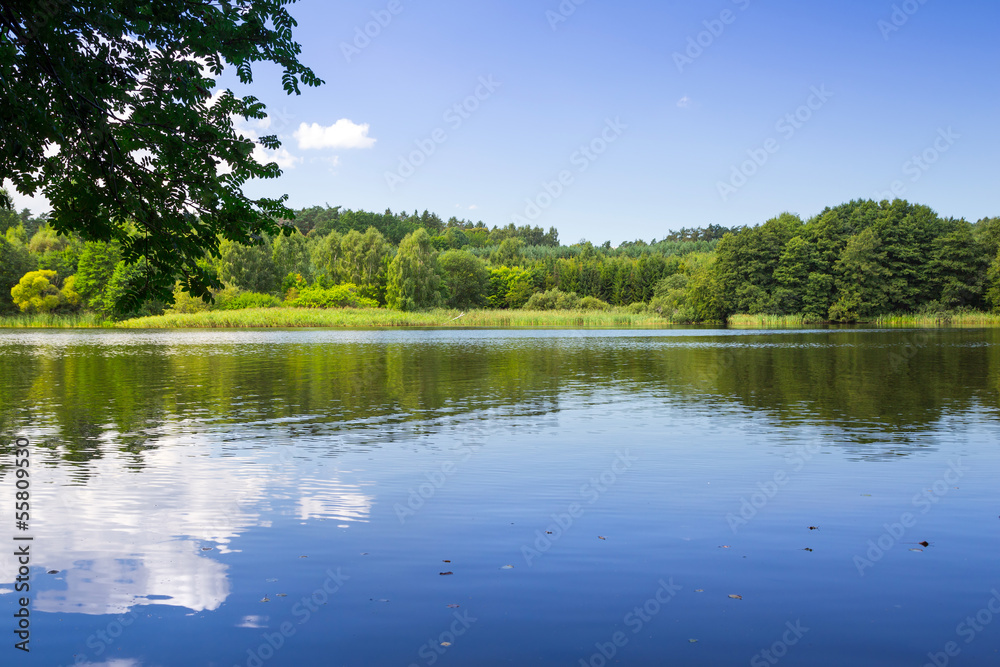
(243,300)
(554,299)
(638,308)
(593,303)
(36,293)
(185,303)
(341,296)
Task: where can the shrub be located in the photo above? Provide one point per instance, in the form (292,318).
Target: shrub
(248,300)
(36,293)
(637,308)
(341,296)
(593,303)
(554,299)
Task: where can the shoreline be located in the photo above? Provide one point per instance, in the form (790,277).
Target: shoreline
(348,318)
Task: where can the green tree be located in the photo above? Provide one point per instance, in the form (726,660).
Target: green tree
(95,268)
(364,261)
(993,284)
(863,280)
(327,257)
(509,253)
(250,268)
(290,254)
(15,261)
(466,278)
(37,292)
(123,88)
(958,266)
(414,281)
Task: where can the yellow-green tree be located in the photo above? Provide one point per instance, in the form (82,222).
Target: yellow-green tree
(36,293)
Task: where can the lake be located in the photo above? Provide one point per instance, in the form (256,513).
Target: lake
(470,497)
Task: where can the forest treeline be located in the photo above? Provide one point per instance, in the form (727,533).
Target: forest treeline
(851,262)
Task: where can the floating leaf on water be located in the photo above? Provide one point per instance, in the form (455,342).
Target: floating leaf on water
(924,543)
(601,537)
(725,546)
(264,599)
(916,549)
(699,590)
(282,595)
(445,643)
(807,549)
(444,574)
(271,581)
(446,561)
(303,556)
(454,606)
(736,597)
(364,553)
(693,641)
(206,548)
(866,495)
(52,572)
(813,527)
(507,567)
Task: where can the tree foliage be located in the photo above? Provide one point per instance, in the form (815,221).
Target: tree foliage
(107,109)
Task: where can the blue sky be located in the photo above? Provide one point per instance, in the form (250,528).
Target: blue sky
(669,139)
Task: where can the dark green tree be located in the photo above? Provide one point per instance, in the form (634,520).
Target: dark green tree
(122,90)
(466,277)
(414,281)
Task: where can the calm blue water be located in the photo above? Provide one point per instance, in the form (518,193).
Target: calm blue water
(293,497)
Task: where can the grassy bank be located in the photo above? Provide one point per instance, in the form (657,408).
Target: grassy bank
(51,321)
(928,320)
(380,318)
(744,321)
(945,319)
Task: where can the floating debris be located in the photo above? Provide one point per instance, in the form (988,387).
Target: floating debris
(445,643)
(601,538)
(813,527)
(445,574)
(693,641)
(736,597)
(507,567)
(454,606)
(265,599)
(52,572)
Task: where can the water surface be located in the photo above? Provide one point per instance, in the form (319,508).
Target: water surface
(293,497)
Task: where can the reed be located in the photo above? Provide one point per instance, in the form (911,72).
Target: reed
(52,321)
(745,321)
(372,318)
(940,319)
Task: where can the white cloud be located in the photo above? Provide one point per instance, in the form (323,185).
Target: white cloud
(284,159)
(684,102)
(342,134)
